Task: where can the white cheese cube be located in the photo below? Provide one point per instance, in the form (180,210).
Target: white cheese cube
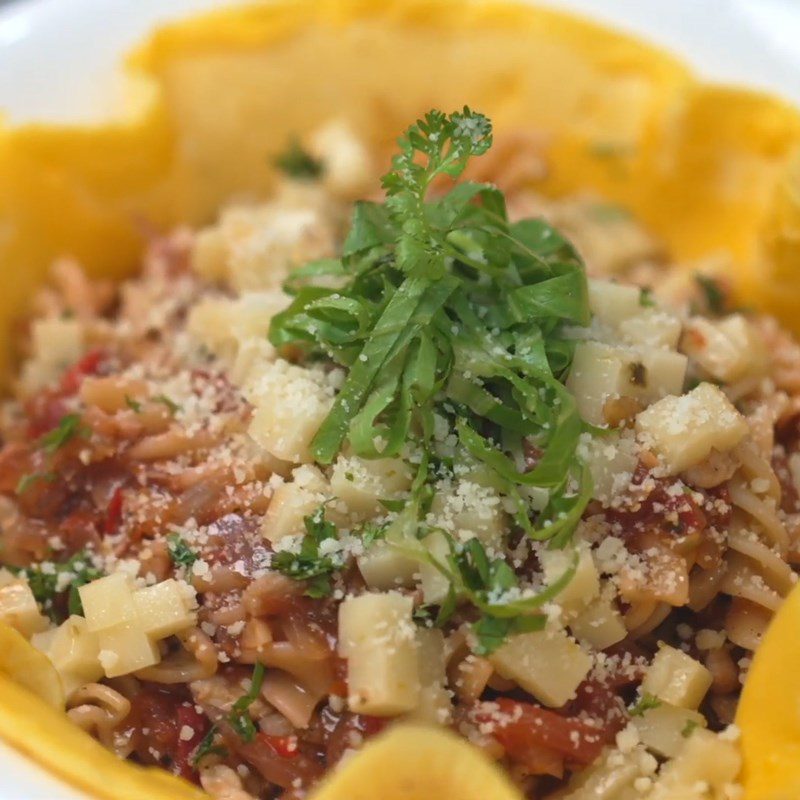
(611,303)
(108,602)
(383,568)
(18,608)
(611,777)
(292,502)
(291,403)
(651,327)
(584,586)
(548,664)
(727,349)
(74,651)
(164,609)
(361,484)
(705,767)
(56,343)
(676,678)
(600,624)
(684,430)
(378,638)
(665,728)
(469,510)
(126,648)
(612,460)
(435,703)
(435,586)
(601,372)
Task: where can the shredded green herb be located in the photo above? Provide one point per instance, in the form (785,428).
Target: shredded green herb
(171,405)
(50,580)
(27,481)
(646,299)
(308,564)
(68,427)
(715,296)
(689,728)
(133,404)
(207,747)
(239,717)
(298,163)
(181,554)
(646,702)
(445,312)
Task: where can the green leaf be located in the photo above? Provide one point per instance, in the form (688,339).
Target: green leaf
(298,163)
(171,405)
(208,747)
(182,555)
(645,703)
(29,480)
(239,716)
(68,427)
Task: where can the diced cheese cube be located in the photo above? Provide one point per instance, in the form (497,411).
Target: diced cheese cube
(651,327)
(676,678)
(727,349)
(435,703)
(57,343)
(384,568)
(74,651)
(601,372)
(665,728)
(548,664)
(164,609)
(469,510)
(435,585)
(18,608)
(126,648)
(684,430)
(292,502)
(108,602)
(611,303)
(611,777)
(378,638)
(600,624)
(705,767)
(291,403)
(584,586)
(612,460)
(361,484)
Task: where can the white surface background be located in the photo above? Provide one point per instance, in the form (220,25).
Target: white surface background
(59,59)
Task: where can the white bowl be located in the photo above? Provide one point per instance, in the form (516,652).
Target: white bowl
(59,59)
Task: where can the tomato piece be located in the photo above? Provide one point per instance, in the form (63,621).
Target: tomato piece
(89,365)
(521,727)
(283,746)
(114,512)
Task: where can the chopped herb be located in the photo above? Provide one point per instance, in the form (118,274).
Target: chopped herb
(688,728)
(715,296)
(207,747)
(422,614)
(171,405)
(27,481)
(490,632)
(646,299)
(371,533)
(298,163)
(68,427)
(239,717)
(133,404)
(645,703)
(67,576)
(182,555)
(308,564)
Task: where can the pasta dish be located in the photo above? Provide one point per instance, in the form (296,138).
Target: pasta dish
(454,453)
